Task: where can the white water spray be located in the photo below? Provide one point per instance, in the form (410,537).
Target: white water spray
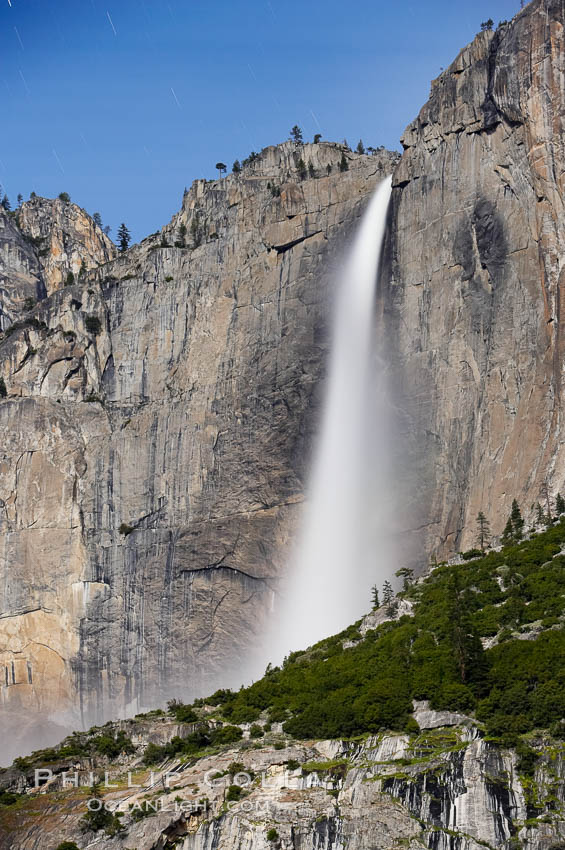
(342,550)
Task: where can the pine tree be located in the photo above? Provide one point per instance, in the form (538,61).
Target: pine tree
(181,239)
(343,164)
(483,531)
(544,492)
(407,576)
(317,138)
(388,599)
(301,165)
(20,200)
(508,533)
(222,168)
(236,167)
(517,521)
(124,237)
(97,219)
(559,504)
(360,146)
(296,134)
(311,170)
(6,203)
(466,645)
(375,596)
(328,169)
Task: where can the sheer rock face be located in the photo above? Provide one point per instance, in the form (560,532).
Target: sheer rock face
(20,273)
(155,438)
(472,302)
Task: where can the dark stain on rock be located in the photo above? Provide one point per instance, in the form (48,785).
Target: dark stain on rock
(490,238)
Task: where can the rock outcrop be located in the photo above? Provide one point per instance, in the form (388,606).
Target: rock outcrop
(155,438)
(473,294)
(443,788)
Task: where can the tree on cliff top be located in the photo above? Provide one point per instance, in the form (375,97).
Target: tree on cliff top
(222,168)
(124,237)
(487,25)
(296,134)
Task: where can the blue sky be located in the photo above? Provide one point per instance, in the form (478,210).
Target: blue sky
(122,103)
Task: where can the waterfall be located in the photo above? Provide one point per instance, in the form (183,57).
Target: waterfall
(343,549)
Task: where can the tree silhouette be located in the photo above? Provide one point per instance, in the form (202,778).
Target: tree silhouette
(124,237)
(296,134)
(483,531)
(222,168)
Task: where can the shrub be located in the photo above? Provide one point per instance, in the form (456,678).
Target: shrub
(8,798)
(471,553)
(256,731)
(126,529)
(272,834)
(226,735)
(67,845)
(292,764)
(234,793)
(65,197)
(183,713)
(113,746)
(93,325)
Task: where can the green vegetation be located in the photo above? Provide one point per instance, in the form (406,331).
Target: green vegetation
(181,712)
(272,834)
(193,744)
(437,654)
(3,389)
(113,745)
(67,845)
(65,197)
(9,798)
(343,164)
(126,529)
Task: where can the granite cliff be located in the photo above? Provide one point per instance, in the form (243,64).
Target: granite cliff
(473,292)
(156,432)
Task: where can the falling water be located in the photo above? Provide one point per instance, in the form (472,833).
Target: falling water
(342,550)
